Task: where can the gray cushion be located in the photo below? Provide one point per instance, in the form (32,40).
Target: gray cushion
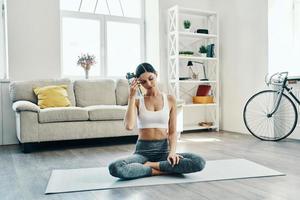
(63,114)
(19,106)
(95,92)
(106,112)
(82,130)
(23,90)
(122,92)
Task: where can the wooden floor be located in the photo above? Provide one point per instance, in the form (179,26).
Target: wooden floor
(25,176)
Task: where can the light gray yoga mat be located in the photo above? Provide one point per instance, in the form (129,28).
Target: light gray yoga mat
(71,180)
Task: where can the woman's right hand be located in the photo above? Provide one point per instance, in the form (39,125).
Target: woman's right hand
(133,88)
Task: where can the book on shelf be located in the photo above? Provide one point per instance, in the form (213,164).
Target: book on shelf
(210,50)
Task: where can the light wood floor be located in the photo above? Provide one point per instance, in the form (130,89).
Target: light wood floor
(25,176)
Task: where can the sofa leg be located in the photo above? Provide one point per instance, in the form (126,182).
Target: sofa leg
(27,147)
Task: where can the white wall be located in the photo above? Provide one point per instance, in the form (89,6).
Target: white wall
(152,33)
(2,42)
(243,56)
(33,39)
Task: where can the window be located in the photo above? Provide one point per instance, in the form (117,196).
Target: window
(77,41)
(112,30)
(297,36)
(126,8)
(123,48)
(284,36)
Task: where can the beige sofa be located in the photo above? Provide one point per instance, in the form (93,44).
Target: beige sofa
(97,111)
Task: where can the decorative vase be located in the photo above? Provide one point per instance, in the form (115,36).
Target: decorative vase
(86,74)
(203,54)
(187,29)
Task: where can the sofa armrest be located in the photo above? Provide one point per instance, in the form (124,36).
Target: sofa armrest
(19,106)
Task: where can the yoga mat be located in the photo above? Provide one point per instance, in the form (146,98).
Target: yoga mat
(71,180)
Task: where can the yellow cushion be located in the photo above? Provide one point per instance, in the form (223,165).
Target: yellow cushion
(52,96)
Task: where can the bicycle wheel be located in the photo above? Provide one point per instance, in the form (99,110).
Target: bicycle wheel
(277,127)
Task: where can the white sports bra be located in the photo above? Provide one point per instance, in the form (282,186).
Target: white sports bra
(153,119)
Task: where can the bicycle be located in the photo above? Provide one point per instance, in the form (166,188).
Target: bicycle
(271,115)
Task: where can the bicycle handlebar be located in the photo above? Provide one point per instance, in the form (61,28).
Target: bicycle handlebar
(276,79)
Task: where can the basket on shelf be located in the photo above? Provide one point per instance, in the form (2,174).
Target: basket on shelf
(202,95)
(203,99)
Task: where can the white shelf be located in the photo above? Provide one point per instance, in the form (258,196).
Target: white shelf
(194,35)
(192,81)
(197,12)
(195,81)
(189,127)
(197,35)
(199,105)
(196,58)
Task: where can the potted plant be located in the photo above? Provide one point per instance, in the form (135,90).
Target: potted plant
(187,25)
(203,51)
(86,61)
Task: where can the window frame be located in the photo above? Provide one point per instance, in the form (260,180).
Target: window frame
(103,19)
(4,71)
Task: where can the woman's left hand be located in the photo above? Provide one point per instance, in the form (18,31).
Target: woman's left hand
(174,158)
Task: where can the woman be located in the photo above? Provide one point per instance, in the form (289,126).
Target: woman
(155,152)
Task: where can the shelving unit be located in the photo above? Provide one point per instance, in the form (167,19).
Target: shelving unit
(182,40)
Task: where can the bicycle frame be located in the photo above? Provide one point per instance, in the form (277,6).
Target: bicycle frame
(281,91)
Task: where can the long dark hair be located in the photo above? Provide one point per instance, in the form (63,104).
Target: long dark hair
(144,67)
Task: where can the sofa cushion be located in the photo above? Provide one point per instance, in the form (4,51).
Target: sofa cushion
(106,112)
(23,90)
(52,96)
(63,114)
(95,92)
(122,92)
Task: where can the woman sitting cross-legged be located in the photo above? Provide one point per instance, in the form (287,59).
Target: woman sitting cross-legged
(155,152)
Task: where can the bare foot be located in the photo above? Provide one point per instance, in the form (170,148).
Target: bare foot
(154,165)
(148,164)
(156,172)
(155,168)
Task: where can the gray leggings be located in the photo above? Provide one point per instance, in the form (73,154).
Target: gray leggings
(154,151)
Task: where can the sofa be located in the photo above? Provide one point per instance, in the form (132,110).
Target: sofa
(97,111)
